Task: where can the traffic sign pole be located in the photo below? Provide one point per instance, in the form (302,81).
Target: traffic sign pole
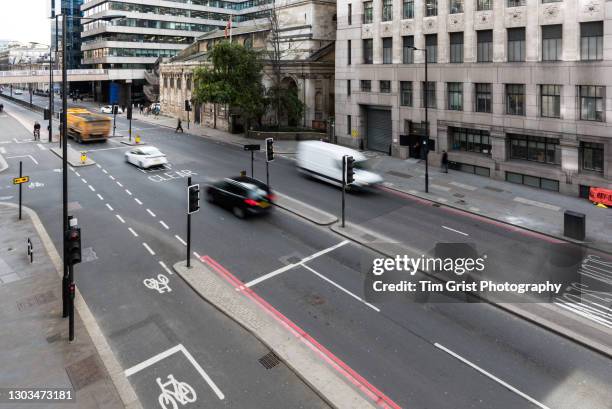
(20,176)
(188,226)
(343,186)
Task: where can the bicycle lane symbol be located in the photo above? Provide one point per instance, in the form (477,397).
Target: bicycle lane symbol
(160,284)
(173,392)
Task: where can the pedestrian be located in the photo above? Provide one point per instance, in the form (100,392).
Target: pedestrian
(1,107)
(179,126)
(445,161)
(36,131)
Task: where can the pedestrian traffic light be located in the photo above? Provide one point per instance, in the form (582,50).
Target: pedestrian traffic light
(187,105)
(193,195)
(129,112)
(349,168)
(269,149)
(115,109)
(73,250)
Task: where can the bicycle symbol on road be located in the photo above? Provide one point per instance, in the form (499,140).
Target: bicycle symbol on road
(180,392)
(160,284)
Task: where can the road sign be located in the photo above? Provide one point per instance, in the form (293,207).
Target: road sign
(252,147)
(20,180)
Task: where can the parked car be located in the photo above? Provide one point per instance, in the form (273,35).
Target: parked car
(242,195)
(18,92)
(108,109)
(145,157)
(323,161)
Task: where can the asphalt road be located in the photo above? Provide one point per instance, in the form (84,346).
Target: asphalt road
(433,355)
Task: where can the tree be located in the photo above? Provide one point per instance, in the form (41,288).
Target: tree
(233,78)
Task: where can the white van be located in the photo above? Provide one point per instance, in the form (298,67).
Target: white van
(323,161)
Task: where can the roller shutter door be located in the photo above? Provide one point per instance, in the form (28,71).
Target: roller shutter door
(378,129)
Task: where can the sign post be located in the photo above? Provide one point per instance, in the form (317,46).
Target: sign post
(252,148)
(20,181)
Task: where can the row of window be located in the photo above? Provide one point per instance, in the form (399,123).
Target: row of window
(128,52)
(157,24)
(169,82)
(141,38)
(139,8)
(430,8)
(591,99)
(591,45)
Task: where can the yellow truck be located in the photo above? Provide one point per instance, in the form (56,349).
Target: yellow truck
(85,126)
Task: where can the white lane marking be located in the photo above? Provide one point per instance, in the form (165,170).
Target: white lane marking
(104,171)
(133,232)
(92,188)
(197,255)
(146,246)
(77,173)
(183,242)
(23,156)
(128,192)
(165,267)
(290,266)
(111,177)
(138,201)
(2,151)
(338,286)
(463,186)
(491,376)
(536,203)
(164,224)
(84,181)
(151,213)
(120,218)
(42,148)
(109,207)
(98,165)
(100,196)
(119,184)
(456,231)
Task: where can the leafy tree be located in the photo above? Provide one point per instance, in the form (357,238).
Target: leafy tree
(286,103)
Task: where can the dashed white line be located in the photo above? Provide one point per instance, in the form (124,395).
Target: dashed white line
(111,177)
(197,255)
(92,188)
(109,207)
(2,151)
(77,173)
(183,242)
(84,181)
(42,148)
(165,267)
(100,196)
(491,376)
(119,184)
(98,165)
(120,218)
(133,232)
(104,171)
(456,231)
(137,201)
(164,224)
(146,246)
(128,192)
(151,213)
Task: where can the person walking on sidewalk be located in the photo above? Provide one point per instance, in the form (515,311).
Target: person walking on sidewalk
(179,126)
(36,131)
(445,161)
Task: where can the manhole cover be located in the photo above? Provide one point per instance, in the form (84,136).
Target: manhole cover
(436,204)
(269,360)
(84,372)
(34,300)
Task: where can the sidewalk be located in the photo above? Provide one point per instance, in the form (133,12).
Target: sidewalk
(34,347)
(523,206)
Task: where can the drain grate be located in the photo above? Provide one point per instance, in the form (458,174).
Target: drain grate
(269,360)
(436,204)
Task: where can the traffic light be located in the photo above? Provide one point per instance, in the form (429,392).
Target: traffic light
(349,166)
(187,105)
(115,109)
(73,251)
(46,114)
(193,195)
(129,112)
(269,149)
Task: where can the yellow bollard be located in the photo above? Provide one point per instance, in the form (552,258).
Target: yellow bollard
(83,157)
(137,139)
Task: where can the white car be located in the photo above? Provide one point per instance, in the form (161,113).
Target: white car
(145,157)
(18,92)
(108,109)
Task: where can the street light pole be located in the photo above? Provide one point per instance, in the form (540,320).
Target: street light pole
(64,138)
(425,142)
(51,94)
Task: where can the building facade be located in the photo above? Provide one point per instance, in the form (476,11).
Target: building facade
(518,90)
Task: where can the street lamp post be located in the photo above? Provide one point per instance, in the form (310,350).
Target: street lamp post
(425,142)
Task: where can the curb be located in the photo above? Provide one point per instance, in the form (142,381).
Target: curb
(124,388)
(78,164)
(307,212)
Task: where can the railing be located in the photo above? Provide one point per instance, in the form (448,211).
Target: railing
(95,71)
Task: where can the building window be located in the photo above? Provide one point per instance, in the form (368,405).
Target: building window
(483,97)
(348,125)
(592,156)
(407,50)
(367,12)
(406,93)
(535,148)
(348,88)
(385,86)
(188,83)
(516,44)
(456,47)
(591,103)
(516,3)
(515,99)
(368,51)
(552,42)
(484,45)
(455,6)
(349,55)
(431,44)
(408,9)
(165,81)
(387,10)
(591,41)
(471,140)
(349,17)
(550,101)
(431,8)
(366,86)
(387,50)
(483,5)
(551,1)
(429,94)
(533,181)
(455,96)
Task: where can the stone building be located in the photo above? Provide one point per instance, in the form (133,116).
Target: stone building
(307,32)
(519,90)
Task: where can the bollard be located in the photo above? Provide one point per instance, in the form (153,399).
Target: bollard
(137,139)
(83,157)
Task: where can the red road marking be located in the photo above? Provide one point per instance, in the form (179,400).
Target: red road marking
(370,390)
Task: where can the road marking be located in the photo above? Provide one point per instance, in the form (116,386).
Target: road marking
(109,207)
(2,151)
(536,203)
(491,376)
(111,177)
(146,246)
(120,218)
(24,156)
(119,184)
(128,192)
(160,284)
(463,186)
(165,267)
(98,165)
(138,201)
(290,266)
(77,173)
(341,288)
(100,196)
(84,181)
(92,188)
(104,171)
(133,232)
(197,255)
(164,224)
(438,187)
(183,242)
(151,213)
(456,231)
(42,148)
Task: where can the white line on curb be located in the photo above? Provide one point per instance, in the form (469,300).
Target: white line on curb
(456,231)
(120,218)
(109,207)
(164,224)
(133,232)
(151,213)
(146,246)
(181,240)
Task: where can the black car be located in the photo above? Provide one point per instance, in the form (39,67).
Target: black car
(242,194)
